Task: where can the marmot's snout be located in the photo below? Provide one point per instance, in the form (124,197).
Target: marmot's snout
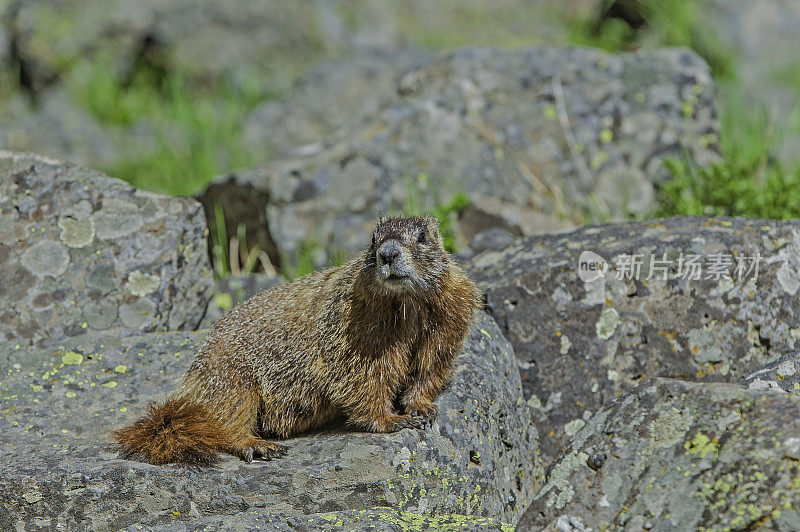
(389,251)
(395,269)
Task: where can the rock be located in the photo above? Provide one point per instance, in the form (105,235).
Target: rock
(580,344)
(378,519)
(678,456)
(197,39)
(495,239)
(566,134)
(254,41)
(251,51)
(59,127)
(484,214)
(331,98)
(84,252)
(781,375)
(478,463)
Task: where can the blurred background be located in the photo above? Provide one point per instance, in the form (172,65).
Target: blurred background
(172,95)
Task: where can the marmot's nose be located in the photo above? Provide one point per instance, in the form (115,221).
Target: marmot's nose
(389,251)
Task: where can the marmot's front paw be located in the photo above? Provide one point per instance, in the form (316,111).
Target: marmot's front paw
(426,411)
(399,422)
(258,449)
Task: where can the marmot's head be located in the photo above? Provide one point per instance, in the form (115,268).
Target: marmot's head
(407,255)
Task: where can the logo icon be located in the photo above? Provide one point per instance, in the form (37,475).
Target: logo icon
(591,266)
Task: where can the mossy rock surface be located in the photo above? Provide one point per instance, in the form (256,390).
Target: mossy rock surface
(478,462)
(580,344)
(677,455)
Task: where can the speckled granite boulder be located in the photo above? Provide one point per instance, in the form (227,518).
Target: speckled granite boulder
(580,344)
(566,132)
(80,251)
(675,455)
(479,459)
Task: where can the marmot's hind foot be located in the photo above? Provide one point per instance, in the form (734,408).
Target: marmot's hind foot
(258,449)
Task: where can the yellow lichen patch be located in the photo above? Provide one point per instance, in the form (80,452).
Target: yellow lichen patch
(121,368)
(72,358)
(701,445)
(110,384)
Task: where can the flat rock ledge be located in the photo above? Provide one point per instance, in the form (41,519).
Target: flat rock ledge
(677,455)
(580,344)
(477,465)
(83,252)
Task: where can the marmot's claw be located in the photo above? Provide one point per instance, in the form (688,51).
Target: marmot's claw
(421,422)
(405,421)
(427,411)
(247,455)
(270,451)
(265,450)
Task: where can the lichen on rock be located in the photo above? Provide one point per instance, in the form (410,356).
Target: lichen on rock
(141,284)
(76,233)
(82,254)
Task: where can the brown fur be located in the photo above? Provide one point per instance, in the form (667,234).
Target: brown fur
(174,431)
(347,341)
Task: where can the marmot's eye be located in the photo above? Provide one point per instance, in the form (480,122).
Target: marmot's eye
(373,239)
(421,237)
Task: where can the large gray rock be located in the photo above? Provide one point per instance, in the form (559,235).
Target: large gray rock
(83,252)
(674,455)
(61,126)
(580,344)
(568,133)
(331,98)
(479,459)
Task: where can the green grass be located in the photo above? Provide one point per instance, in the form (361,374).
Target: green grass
(305,261)
(234,256)
(750,180)
(667,23)
(728,190)
(196,130)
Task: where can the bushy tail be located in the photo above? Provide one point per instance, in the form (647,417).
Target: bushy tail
(174,431)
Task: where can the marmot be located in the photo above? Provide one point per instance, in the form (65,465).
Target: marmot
(346,341)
